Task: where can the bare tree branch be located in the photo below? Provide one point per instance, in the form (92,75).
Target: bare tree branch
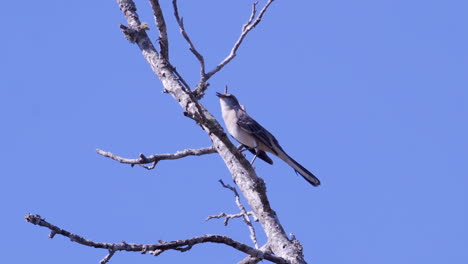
(227,216)
(245,30)
(195,52)
(180,245)
(107,257)
(248,26)
(245,214)
(179,77)
(163,39)
(202,84)
(253,188)
(135,32)
(154,159)
(254,260)
(161,24)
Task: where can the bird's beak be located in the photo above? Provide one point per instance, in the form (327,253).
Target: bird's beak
(220,95)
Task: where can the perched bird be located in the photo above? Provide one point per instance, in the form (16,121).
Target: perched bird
(256,138)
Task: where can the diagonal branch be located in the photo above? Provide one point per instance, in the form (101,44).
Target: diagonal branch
(163,39)
(246,28)
(107,257)
(192,48)
(245,214)
(161,24)
(180,245)
(252,187)
(135,32)
(254,260)
(157,157)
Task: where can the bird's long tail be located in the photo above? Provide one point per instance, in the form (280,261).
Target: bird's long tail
(300,169)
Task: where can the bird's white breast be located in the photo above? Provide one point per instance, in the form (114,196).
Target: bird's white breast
(230,119)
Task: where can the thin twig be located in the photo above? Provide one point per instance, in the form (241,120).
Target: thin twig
(107,257)
(161,24)
(192,48)
(179,77)
(227,216)
(154,159)
(180,245)
(246,28)
(249,25)
(244,213)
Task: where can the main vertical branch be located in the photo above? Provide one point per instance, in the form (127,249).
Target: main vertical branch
(252,187)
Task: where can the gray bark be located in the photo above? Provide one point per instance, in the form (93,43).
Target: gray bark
(252,187)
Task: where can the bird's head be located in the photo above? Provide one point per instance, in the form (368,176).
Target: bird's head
(228,100)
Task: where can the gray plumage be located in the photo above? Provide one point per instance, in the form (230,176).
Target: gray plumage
(255,137)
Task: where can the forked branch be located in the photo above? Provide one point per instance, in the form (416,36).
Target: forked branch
(245,214)
(252,187)
(246,28)
(192,48)
(156,249)
(251,23)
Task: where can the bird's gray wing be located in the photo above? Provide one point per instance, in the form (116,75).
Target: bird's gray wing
(249,125)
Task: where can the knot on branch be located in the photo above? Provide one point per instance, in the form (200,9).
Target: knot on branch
(127,6)
(199,91)
(33,219)
(260,185)
(131,33)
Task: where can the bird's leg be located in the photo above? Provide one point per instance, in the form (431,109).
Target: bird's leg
(256,154)
(254,158)
(241,148)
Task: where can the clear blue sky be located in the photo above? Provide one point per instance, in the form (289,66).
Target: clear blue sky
(372,96)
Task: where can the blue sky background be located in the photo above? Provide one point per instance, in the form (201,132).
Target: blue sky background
(369,95)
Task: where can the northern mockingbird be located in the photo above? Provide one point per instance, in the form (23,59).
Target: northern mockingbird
(256,138)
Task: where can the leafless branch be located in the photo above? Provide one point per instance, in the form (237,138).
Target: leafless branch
(154,159)
(135,32)
(254,260)
(161,24)
(180,245)
(253,187)
(131,33)
(227,216)
(179,77)
(192,48)
(163,39)
(245,214)
(107,257)
(246,28)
